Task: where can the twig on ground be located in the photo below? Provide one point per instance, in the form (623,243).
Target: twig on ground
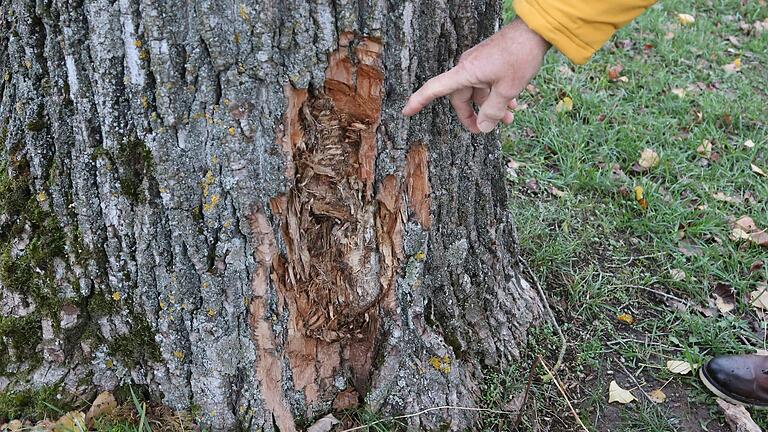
(562,392)
(553,321)
(657,292)
(525,395)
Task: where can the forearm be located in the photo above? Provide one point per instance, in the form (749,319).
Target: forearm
(578,28)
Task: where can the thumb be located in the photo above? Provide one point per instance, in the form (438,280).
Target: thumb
(493,110)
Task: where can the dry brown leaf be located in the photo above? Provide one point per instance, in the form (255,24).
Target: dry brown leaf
(679,92)
(556,192)
(618,394)
(657,396)
(738,417)
(733,67)
(105,403)
(72,421)
(685,19)
(720,196)
(759,297)
(679,367)
(705,149)
(725,299)
(325,424)
(745,228)
(757,170)
(677,275)
(648,159)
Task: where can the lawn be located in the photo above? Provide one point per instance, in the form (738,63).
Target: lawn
(632,282)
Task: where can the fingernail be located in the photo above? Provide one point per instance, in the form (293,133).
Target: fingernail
(486,126)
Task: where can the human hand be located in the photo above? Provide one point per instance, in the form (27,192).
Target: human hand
(491,74)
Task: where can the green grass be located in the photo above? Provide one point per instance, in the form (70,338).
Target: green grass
(598,253)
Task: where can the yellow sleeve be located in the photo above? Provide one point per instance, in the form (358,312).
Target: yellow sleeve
(578,28)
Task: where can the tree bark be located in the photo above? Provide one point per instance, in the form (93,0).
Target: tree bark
(220,201)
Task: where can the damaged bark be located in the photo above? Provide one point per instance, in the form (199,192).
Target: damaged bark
(220,202)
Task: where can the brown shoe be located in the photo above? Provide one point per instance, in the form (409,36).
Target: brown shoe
(739,379)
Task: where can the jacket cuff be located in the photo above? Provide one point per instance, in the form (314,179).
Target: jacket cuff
(538,20)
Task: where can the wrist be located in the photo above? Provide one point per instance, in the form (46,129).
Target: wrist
(534,39)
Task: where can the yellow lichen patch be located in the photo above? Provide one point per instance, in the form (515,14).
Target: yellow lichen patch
(144,102)
(179,355)
(162,305)
(41,196)
(442,364)
(109,363)
(210,205)
(137,43)
(116,296)
(211,312)
(231,131)
(207,182)
(243,12)
(420,256)
(143,55)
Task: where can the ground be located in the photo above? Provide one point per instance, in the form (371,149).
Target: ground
(598,253)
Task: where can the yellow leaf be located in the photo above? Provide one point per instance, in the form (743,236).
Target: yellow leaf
(757,170)
(618,394)
(685,19)
(657,396)
(626,318)
(733,67)
(705,149)
(565,105)
(648,159)
(679,367)
(640,197)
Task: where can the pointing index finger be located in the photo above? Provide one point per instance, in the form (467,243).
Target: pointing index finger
(441,85)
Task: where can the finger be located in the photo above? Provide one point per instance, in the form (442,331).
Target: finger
(512,104)
(509,117)
(436,87)
(479,95)
(492,111)
(460,100)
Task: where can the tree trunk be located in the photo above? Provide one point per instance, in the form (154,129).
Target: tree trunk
(220,201)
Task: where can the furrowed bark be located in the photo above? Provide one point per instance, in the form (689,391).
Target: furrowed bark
(220,201)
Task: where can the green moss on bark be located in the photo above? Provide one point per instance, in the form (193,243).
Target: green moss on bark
(35,404)
(134,162)
(137,346)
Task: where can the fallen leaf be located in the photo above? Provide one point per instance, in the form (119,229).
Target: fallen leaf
(733,67)
(685,19)
(679,92)
(669,35)
(688,248)
(325,424)
(564,105)
(12,426)
(749,143)
(705,149)
(657,396)
(725,299)
(757,265)
(757,170)
(346,399)
(105,403)
(618,394)
(648,159)
(679,367)
(745,228)
(640,197)
(759,297)
(69,422)
(738,417)
(614,73)
(556,192)
(720,196)
(626,318)
(532,185)
(677,275)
